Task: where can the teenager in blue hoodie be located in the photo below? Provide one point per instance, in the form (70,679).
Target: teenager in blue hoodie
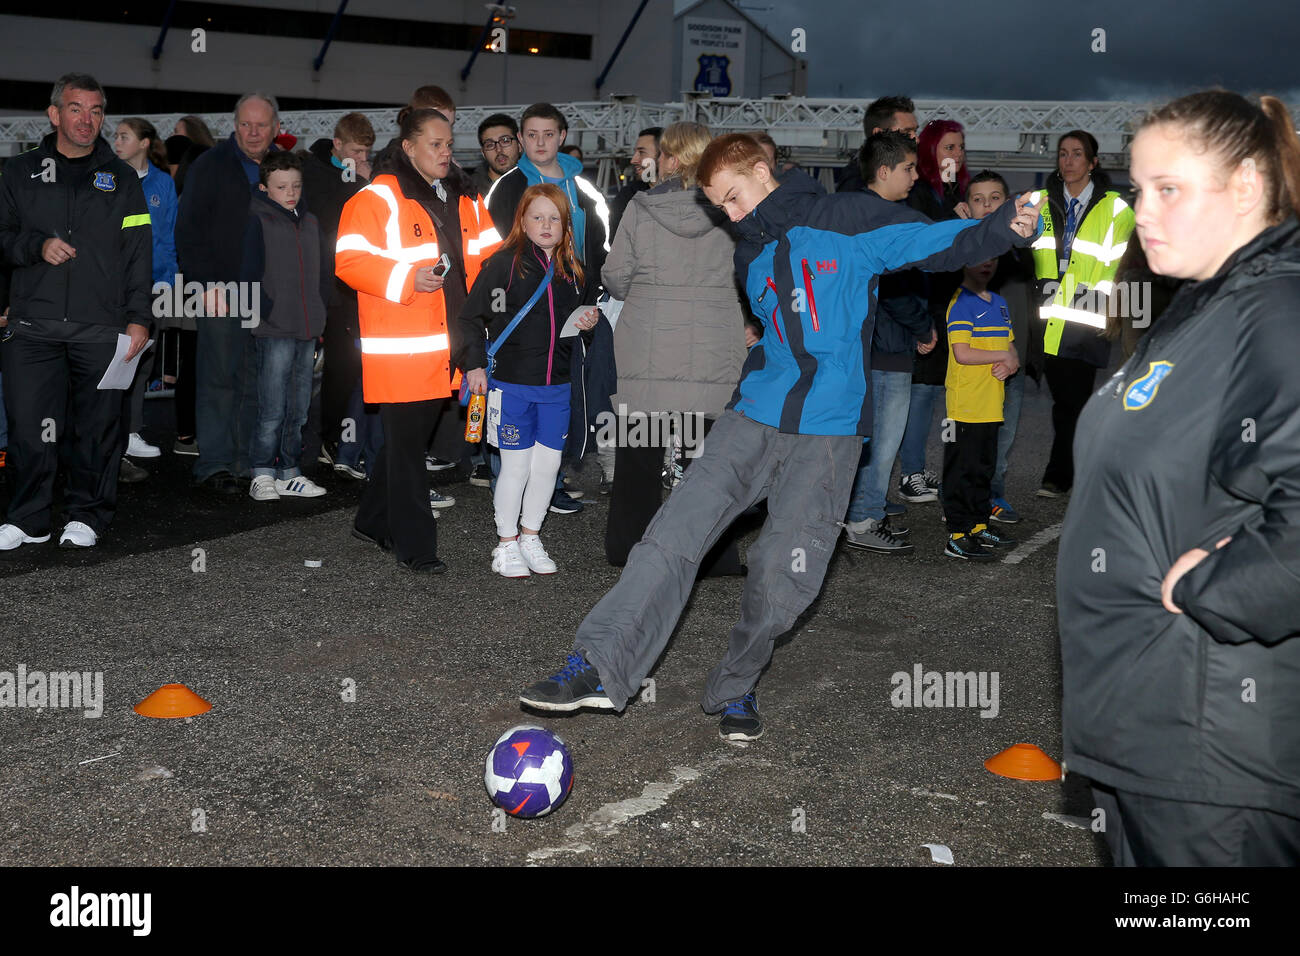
(792,434)
(543,130)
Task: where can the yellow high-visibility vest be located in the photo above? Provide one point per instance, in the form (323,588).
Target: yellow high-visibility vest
(1099,243)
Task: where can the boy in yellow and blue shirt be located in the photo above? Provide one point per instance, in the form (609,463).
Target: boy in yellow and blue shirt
(980,357)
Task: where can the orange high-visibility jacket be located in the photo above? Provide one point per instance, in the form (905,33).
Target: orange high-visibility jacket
(383,238)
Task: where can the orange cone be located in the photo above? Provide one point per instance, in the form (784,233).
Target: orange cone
(172,700)
(1024,762)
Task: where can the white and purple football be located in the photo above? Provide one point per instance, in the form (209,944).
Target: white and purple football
(529,771)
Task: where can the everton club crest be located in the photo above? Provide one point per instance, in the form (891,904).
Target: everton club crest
(713,77)
(105,181)
(1143,392)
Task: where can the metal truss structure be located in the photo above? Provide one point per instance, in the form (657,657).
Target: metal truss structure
(817,133)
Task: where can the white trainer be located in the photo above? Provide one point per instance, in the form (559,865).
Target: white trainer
(535,556)
(78,535)
(263,489)
(299,487)
(137,447)
(507,560)
(12,536)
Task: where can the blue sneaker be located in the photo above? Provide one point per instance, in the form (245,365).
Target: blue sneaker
(740,720)
(575,686)
(1002,511)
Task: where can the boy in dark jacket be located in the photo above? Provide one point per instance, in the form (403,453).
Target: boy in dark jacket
(792,433)
(284,251)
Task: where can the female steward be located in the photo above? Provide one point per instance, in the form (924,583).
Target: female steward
(1178,580)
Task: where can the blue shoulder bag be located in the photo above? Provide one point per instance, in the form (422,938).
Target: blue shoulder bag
(505,333)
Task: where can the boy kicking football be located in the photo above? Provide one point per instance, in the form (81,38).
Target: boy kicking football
(792,434)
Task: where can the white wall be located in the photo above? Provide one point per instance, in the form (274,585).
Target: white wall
(41,49)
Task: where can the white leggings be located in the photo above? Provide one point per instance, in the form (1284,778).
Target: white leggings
(527,479)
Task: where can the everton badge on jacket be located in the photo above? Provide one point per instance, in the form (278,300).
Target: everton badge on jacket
(106,182)
(1143,391)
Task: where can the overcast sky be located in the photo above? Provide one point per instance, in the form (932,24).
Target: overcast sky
(1041,49)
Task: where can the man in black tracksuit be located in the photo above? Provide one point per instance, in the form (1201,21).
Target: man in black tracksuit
(1188,723)
(75,227)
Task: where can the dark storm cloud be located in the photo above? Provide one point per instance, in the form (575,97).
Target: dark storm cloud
(1029,49)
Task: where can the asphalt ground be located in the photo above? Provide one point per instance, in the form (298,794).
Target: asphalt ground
(284,770)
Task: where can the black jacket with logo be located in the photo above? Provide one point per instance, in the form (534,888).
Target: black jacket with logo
(534,354)
(98,207)
(1195,438)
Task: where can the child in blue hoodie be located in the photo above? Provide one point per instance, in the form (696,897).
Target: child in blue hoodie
(792,433)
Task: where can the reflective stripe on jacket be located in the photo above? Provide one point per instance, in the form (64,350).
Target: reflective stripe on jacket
(1080,295)
(383,238)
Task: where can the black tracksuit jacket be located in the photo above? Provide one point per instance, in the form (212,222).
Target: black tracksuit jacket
(1202,706)
(90,206)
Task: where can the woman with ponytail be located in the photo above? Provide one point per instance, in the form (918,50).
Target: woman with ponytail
(1178,578)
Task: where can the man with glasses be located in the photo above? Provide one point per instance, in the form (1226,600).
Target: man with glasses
(498,138)
(210,226)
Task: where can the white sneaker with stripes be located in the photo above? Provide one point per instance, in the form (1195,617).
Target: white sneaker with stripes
(299,487)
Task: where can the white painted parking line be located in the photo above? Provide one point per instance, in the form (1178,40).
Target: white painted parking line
(1046,536)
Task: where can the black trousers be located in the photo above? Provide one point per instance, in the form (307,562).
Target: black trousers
(968,464)
(339,377)
(395,504)
(186,379)
(636,497)
(1071,382)
(1149,831)
(51,400)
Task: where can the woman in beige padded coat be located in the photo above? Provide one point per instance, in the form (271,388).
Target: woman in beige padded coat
(680,339)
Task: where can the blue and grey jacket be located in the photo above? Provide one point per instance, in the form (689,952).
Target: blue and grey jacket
(810,265)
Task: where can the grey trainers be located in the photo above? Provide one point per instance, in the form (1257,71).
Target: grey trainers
(873,535)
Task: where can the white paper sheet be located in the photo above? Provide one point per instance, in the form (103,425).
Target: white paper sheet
(119,373)
(571,325)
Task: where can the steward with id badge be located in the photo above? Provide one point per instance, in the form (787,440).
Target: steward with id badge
(523,296)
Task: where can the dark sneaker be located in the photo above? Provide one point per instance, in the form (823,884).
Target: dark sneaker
(893,527)
(740,720)
(185,446)
(893,509)
(964,546)
(1003,512)
(481,477)
(562,504)
(931,479)
(222,482)
(327,452)
(128,472)
(575,686)
(990,538)
(914,488)
(1051,489)
(437,464)
(873,535)
(434,566)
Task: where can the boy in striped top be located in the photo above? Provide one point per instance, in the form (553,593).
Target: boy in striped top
(980,357)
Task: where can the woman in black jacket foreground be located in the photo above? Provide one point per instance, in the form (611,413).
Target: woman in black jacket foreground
(1178,579)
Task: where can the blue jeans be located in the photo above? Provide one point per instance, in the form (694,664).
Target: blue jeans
(367,434)
(225,397)
(284,372)
(891,397)
(917,436)
(1014,395)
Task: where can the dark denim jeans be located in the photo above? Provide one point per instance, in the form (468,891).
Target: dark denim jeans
(920,417)
(284,371)
(366,431)
(225,398)
(1012,400)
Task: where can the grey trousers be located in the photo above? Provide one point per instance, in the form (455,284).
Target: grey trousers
(806,480)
